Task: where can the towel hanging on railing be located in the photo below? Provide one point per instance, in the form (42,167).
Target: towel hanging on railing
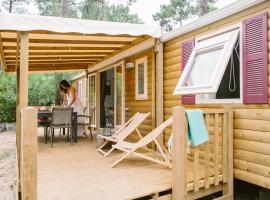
(197,131)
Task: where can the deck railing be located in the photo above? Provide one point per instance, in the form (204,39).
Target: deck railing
(208,168)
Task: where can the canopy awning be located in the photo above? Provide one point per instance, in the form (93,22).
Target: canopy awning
(65,44)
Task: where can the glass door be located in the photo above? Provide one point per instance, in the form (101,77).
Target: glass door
(92,97)
(119,113)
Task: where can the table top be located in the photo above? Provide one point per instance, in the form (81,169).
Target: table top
(47,111)
(44,111)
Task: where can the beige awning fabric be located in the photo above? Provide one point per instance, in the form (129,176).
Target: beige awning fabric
(67,44)
(16,22)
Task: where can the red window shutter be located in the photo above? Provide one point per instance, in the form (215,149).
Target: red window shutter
(187,48)
(255,79)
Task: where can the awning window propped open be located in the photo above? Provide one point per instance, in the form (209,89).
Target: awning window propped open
(207,64)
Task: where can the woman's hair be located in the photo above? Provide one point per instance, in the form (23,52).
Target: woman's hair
(66,84)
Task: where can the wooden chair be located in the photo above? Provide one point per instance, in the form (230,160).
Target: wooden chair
(130,148)
(62,118)
(129,127)
(45,123)
(87,122)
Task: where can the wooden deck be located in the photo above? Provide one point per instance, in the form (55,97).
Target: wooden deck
(68,172)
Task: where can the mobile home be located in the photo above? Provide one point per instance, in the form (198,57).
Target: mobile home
(217,63)
(226,72)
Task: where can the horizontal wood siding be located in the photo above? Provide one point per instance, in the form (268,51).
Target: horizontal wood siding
(133,105)
(84,89)
(251,122)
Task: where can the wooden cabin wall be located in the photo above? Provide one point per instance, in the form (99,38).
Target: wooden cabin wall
(251,122)
(133,106)
(84,89)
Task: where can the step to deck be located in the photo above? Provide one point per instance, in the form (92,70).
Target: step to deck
(161,195)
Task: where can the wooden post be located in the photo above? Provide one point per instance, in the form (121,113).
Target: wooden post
(22,89)
(28,154)
(124,92)
(87,92)
(153,55)
(98,100)
(159,86)
(2,56)
(179,153)
(228,190)
(23,82)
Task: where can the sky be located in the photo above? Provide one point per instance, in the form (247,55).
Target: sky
(144,8)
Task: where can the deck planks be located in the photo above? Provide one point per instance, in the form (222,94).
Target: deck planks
(79,172)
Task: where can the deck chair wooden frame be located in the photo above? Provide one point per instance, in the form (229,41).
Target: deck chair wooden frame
(121,135)
(129,148)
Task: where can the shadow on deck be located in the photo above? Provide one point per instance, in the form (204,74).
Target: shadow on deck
(68,172)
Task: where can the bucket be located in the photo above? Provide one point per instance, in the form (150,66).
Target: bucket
(100,141)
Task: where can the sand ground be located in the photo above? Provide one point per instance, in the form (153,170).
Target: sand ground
(8,166)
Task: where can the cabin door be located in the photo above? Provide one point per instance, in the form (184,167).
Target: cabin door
(112,96)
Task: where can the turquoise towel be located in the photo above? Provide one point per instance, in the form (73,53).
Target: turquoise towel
(197,131)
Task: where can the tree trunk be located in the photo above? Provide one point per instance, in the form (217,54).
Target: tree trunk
(64,8)
(58,98)
(10,6)
(64,12)
(102,18)
(202,7)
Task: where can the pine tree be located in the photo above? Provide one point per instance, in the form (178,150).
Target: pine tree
(15,6)
(205,6)
(172,15)
(53,8)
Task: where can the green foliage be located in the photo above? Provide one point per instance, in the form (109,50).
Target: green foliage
(100,10)
(15,6)
(92,9)
(52,8)
(203,7)
(41,92)
(121,13)
(7,98)
(173,14)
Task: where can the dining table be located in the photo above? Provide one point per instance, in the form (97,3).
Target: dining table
(47,114)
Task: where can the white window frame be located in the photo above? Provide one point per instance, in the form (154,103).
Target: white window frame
(88,96)
(215,82)
(80,84)
(143,96)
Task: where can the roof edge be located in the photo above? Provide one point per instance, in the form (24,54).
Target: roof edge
(78,76)
(29,23)
(211,17)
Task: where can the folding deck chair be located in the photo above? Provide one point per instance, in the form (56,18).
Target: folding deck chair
(130,148)
(123,132)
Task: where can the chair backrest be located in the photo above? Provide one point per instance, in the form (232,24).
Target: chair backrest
(154,133)
(62,116)
(135,122)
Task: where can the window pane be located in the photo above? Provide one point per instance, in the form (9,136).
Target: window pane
(92,97)
(141,78)
(203,68)
(229,87)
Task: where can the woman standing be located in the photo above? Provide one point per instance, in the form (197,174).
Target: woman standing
(72,100)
